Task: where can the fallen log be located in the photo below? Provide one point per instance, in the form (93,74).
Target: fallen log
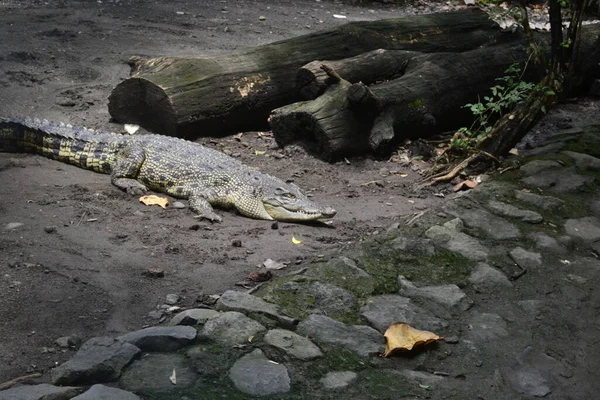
(202,96)
(427,98)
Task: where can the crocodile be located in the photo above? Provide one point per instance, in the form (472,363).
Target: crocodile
(205,177)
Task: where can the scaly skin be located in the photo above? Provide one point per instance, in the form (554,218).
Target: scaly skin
(174,166)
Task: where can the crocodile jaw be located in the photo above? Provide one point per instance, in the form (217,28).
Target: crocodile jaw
(310,212)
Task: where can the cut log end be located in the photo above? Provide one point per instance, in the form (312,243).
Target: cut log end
(139,101)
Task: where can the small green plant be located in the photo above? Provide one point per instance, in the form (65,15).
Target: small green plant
(504,97)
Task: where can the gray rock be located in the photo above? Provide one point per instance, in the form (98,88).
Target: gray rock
(490,225)
(161,338)
(211,361)
(178,205)
(66,342)
(101,392)
(449,296)
(562,181)
(172,299)
(193,316)
(584,161)
(344,269)
(100,359)
(330,299)
(486,327)
(486,279)
(292,344)
(39,392)
(536,166)
(450,237)
(527,375)
(230,328)
(524,258)
(338,380)
(255,375)
(547,243)
(245,303)
(586,228)
(423,378)
(510,211)
(152,374)
(382,311)
(595,207)
(362,340)
(546,203)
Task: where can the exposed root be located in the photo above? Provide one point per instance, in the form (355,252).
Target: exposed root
(12,382)
(449,174)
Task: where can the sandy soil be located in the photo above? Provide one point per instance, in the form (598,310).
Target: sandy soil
(76,265)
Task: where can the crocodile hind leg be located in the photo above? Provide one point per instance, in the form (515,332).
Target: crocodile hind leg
(202,207)
(127,167)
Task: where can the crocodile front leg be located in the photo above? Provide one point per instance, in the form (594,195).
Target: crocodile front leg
(127,167)
(202,207)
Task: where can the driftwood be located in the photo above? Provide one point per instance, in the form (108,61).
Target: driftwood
(426,98)
(224,94)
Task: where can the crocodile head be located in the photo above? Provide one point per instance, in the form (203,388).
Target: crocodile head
(273,199)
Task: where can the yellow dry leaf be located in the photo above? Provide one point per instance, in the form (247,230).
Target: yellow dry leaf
(296,241)
(259,152)
(400,337)
(152,199)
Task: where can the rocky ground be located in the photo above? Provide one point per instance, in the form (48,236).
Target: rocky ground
(506,273)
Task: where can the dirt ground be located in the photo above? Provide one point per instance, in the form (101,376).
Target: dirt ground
(76,264)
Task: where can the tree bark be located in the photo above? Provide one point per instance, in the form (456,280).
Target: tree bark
(204,96)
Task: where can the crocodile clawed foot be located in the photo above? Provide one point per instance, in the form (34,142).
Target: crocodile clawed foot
(137,190)
(210,216)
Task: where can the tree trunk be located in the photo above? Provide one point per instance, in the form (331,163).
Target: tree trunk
(204,96)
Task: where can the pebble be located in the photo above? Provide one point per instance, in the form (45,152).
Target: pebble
(172,299)
(451,339)
(178,205)
(50,229)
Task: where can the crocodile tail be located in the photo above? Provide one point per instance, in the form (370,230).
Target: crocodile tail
(77,146)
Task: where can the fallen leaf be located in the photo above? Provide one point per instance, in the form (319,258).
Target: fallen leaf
(339,16)
(296,241)
(250,339)
(514,151)
(401,337)
(270,264)
(426,387)
(465,185)
(152,199)
(259,152)
(173,377)
(131,128)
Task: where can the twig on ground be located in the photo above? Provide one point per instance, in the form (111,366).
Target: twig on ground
(14,381)
(417,216)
